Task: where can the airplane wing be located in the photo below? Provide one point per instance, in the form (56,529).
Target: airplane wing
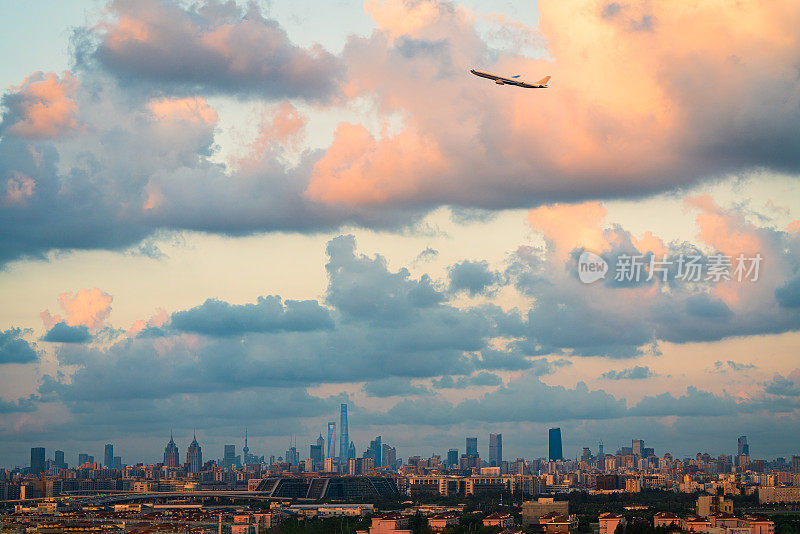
(502,80)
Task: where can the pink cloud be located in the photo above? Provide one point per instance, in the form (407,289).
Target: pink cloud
(45,106)
(19,188)
(87,307)
(644,115)
(158,319)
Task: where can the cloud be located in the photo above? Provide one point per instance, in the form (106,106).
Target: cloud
(788,295)
(788,386)
(474,277)
(211,47)
(637,372)
(87,307)
(479,379)
(598,143)
(15,349)
(61,332)
(43,106)
(269,314)
(393,387)
(732,366)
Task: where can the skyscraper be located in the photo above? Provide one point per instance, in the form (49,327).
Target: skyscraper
(83,458)
(37,460)
(194,456)
(229,458)
(344,438)
(744,448)
(452,457)
(495,449)
(374,451)
(246,449)
(331,439)
(388,456)
(171,454)
(108,459)
(315,453)
(321,443)
(59,460)
(555,444)
(351,451)
(472,446)
(638,447)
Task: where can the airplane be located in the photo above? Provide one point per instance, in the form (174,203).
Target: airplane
(501,80)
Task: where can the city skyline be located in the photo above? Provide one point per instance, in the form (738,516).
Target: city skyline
(237,217)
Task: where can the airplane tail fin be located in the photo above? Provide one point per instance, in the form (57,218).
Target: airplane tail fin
(543,81)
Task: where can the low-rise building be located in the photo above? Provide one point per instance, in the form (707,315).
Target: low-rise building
(498,519)
(609,521)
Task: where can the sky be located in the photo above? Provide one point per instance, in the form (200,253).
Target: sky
(217,216)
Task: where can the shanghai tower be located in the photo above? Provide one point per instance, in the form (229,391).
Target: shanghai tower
(344,439)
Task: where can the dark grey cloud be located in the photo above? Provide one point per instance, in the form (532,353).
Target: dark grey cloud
(269,314)
(788,386)
(207,47)
(637,372)
(479,379)
(63,333)
(393,387)
(14,348)
(474,277)
(788,295)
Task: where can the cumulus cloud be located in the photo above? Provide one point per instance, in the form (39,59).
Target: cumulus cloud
(43,106)
(88,308)
(70,154)
(637,372)
(61,332)
(625,318)
(212,47)
(14,348)
(598,142)
(269,314)
(474,277)
(393,387)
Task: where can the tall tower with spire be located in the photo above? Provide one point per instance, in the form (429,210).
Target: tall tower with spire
(194,456)
(246,449)
(171,454)
(344,438)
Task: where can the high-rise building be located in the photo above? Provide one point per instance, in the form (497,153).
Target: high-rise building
(472,447)
(555,449)
(229,458)
(495,450)
(744,448)
(586,455)
(321,443)
(315,453)
(637,446)
(796,464)
(600,450)
(59,460)
(37,460)
(194,456)
(246,450)
(374,451)
(171,454)
(389,456)
(117,462)
(344,438)
(108,459)
(83,458)
(351,451)
(452,457)
(331,440)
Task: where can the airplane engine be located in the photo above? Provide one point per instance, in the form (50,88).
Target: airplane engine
(499,82)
